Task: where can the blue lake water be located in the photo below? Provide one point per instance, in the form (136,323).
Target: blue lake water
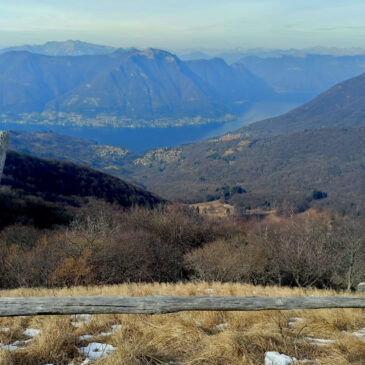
(142,139)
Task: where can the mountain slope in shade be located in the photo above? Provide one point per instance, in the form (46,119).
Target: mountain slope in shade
(225,82)
(29,81)
(125,86)
(67,48)
(342,105)
(57,181)
(150,84)
(303,77)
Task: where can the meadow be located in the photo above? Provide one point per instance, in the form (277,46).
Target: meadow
(331,336)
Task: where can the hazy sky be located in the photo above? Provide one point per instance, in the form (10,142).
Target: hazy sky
(184,24)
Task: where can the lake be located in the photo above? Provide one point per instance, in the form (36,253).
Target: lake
(142,139)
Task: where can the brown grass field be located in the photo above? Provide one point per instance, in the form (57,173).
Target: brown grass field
(214,209)
(190,338)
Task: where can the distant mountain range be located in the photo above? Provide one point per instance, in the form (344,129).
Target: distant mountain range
(80,48)
(234,55)
(67,48)
(319,146)
(77,83)
(302,77)
(127,87)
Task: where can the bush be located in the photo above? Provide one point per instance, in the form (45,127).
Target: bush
(318,195)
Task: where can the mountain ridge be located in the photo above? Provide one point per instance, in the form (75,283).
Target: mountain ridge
(303,77)
(119,89)
(341,105)
(65,48)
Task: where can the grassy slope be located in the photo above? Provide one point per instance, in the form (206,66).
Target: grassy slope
(189,337)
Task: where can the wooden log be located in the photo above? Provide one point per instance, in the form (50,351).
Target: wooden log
(4,141)
(164,304)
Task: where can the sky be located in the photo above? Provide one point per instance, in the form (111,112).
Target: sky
(186,24)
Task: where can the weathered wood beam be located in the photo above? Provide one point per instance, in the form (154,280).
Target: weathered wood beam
(164,304)
(4,141)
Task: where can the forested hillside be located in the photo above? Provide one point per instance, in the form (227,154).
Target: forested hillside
(44,192)
(288,167)
(270,171)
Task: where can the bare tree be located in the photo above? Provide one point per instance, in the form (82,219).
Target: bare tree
(350,245)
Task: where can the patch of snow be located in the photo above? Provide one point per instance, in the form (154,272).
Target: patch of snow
(116,327)
(360,334)
(275,358)
(6,329)
(83,317)
(294,321)
(96,350)
(80,320)
(105,334)
(222,326)
(15,345)
(10,347)
(31,332)
(85,337)
(320,341)
(20,342)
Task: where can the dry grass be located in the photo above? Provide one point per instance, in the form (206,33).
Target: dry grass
(214,209)
(192,338)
